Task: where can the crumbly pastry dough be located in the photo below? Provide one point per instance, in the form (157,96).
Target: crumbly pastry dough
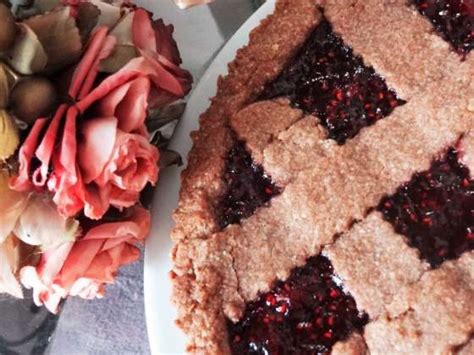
(326,187)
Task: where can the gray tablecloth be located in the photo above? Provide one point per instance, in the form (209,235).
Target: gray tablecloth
(116,324)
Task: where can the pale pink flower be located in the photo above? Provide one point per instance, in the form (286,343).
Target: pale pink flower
(84,267)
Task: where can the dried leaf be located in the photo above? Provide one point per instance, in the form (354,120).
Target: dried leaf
(9,137)
(160,138)
(169,158)
(44,6)
(87,19)
(58,33)
(28,254)
(161,116)
(124,50)
(13,77)
(161,123)
(122,29)
(27,55)
(120,56)
(110,14)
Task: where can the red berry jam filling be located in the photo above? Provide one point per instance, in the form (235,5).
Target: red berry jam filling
(306,314)
(453,19)
(326,79)
(435,210)
(247,187)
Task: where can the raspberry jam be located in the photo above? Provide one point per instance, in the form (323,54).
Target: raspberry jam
(307,314)
(453,19)
(435,210)
(326,79)
(247,187)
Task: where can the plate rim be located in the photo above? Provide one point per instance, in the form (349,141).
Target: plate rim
(206,87)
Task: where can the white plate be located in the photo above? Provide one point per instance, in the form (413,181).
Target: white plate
(163,334)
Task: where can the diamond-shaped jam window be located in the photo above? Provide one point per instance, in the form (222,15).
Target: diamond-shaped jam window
(435,210)
(326,79)
(247,187)
(306,314)
(452,19)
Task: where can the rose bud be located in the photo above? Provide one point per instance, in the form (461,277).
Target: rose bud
(8,28)
(32,98)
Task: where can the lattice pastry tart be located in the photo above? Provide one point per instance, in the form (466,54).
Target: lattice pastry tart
(328,204)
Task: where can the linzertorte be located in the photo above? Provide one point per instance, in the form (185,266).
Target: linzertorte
(328,203)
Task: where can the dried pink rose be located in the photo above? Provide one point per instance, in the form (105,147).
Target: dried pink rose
(84,267)
(110,161)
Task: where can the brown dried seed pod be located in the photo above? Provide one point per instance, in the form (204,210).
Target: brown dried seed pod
(8,28)
(32,98)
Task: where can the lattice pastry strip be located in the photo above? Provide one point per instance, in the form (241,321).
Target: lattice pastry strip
(374,263)
(353,345)
(434,315)
(428,123)
(398,42)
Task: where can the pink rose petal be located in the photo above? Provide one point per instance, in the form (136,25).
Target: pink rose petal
(87,61)
(166,45)
(46,148)
(96,146)
(96,201)
(142,31)
(87,289)
(52,261)
(78,261)
(22,181)
(106,49)
(128,103)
